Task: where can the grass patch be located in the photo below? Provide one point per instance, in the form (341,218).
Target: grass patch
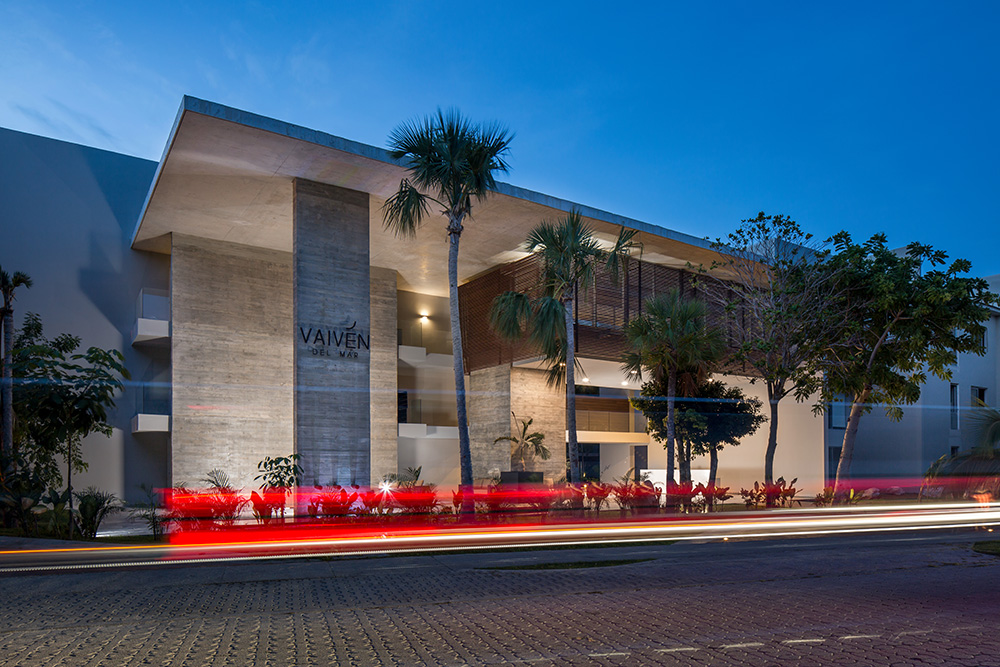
(991,547)
(579,565)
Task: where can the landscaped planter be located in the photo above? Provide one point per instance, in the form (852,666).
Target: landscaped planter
(518,478)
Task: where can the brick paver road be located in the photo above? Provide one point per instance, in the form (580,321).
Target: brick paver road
(874,601)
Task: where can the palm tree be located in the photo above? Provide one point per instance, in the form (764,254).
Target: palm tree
(671,340)
(8,284)
(570,256)
(526,445)
(456,162)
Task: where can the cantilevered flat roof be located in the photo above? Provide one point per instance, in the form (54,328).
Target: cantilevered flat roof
(226,175)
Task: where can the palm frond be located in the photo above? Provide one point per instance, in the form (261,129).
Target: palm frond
(510,314)
(404,212)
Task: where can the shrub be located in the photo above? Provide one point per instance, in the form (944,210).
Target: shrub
(334,501)
(597,494)
(94,506)
(223,502)
(21,489)
(150,512)
(779,494)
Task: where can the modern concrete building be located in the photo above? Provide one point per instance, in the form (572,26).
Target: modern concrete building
(263,309)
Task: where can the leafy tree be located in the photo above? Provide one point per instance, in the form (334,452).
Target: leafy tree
(66,397)
(774,283)
(526,445)
(716,415)
(570,258)
(457,162)
(35,444)
(671,340)
(903,315)
(9,283)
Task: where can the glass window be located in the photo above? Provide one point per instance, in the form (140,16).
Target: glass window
(954,406)
(978,396)
(839,411)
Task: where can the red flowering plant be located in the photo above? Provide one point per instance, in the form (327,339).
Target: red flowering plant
(778,494)
(334,501)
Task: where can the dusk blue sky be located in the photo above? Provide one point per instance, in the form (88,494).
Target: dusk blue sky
(859,116)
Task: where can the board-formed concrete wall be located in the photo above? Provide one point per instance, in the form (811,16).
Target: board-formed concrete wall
(496,391)
(532,398)
(384,361)
(231,309)
(488,408)
(332,315)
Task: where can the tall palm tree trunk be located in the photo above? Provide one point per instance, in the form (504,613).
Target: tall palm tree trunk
(575,473)
(850,436)
(464,448)
(7,394)
(671,393)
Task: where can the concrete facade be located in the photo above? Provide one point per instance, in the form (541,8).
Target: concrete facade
(531,396)
(488,407)
(67,219)
(384,373)
(333,334)
(269,238)
(231,306)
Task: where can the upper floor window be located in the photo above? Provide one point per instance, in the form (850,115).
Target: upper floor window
(839,412)
(978,396)
(954,406)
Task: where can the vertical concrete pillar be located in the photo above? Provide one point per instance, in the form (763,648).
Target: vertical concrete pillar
(384,373)
(332,333)
(489,391)
(531,397)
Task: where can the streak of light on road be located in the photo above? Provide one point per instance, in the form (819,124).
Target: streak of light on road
(335,540)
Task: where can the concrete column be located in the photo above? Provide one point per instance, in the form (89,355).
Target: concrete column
(332,333)
(488,404)
(531,397)
(384,373)
(231,358)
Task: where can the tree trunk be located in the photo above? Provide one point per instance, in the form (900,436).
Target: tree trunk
(69,483)
(684,461)
(575,473)
(671,393)
(7,393)
(713,469)
(850,435)
(773,396)
(464,448)
(713,465)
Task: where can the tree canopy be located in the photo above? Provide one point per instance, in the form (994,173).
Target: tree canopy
(774,282)
(902,315)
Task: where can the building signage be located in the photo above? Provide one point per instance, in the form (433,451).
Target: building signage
(341,342)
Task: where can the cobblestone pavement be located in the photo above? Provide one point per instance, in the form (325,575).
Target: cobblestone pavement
(804,602)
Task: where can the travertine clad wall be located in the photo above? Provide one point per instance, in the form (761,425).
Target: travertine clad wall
(531,397)
(231,358)
(488,407)
(384,374)
(332,333)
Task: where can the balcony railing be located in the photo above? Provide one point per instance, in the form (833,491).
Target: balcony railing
(152,322)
